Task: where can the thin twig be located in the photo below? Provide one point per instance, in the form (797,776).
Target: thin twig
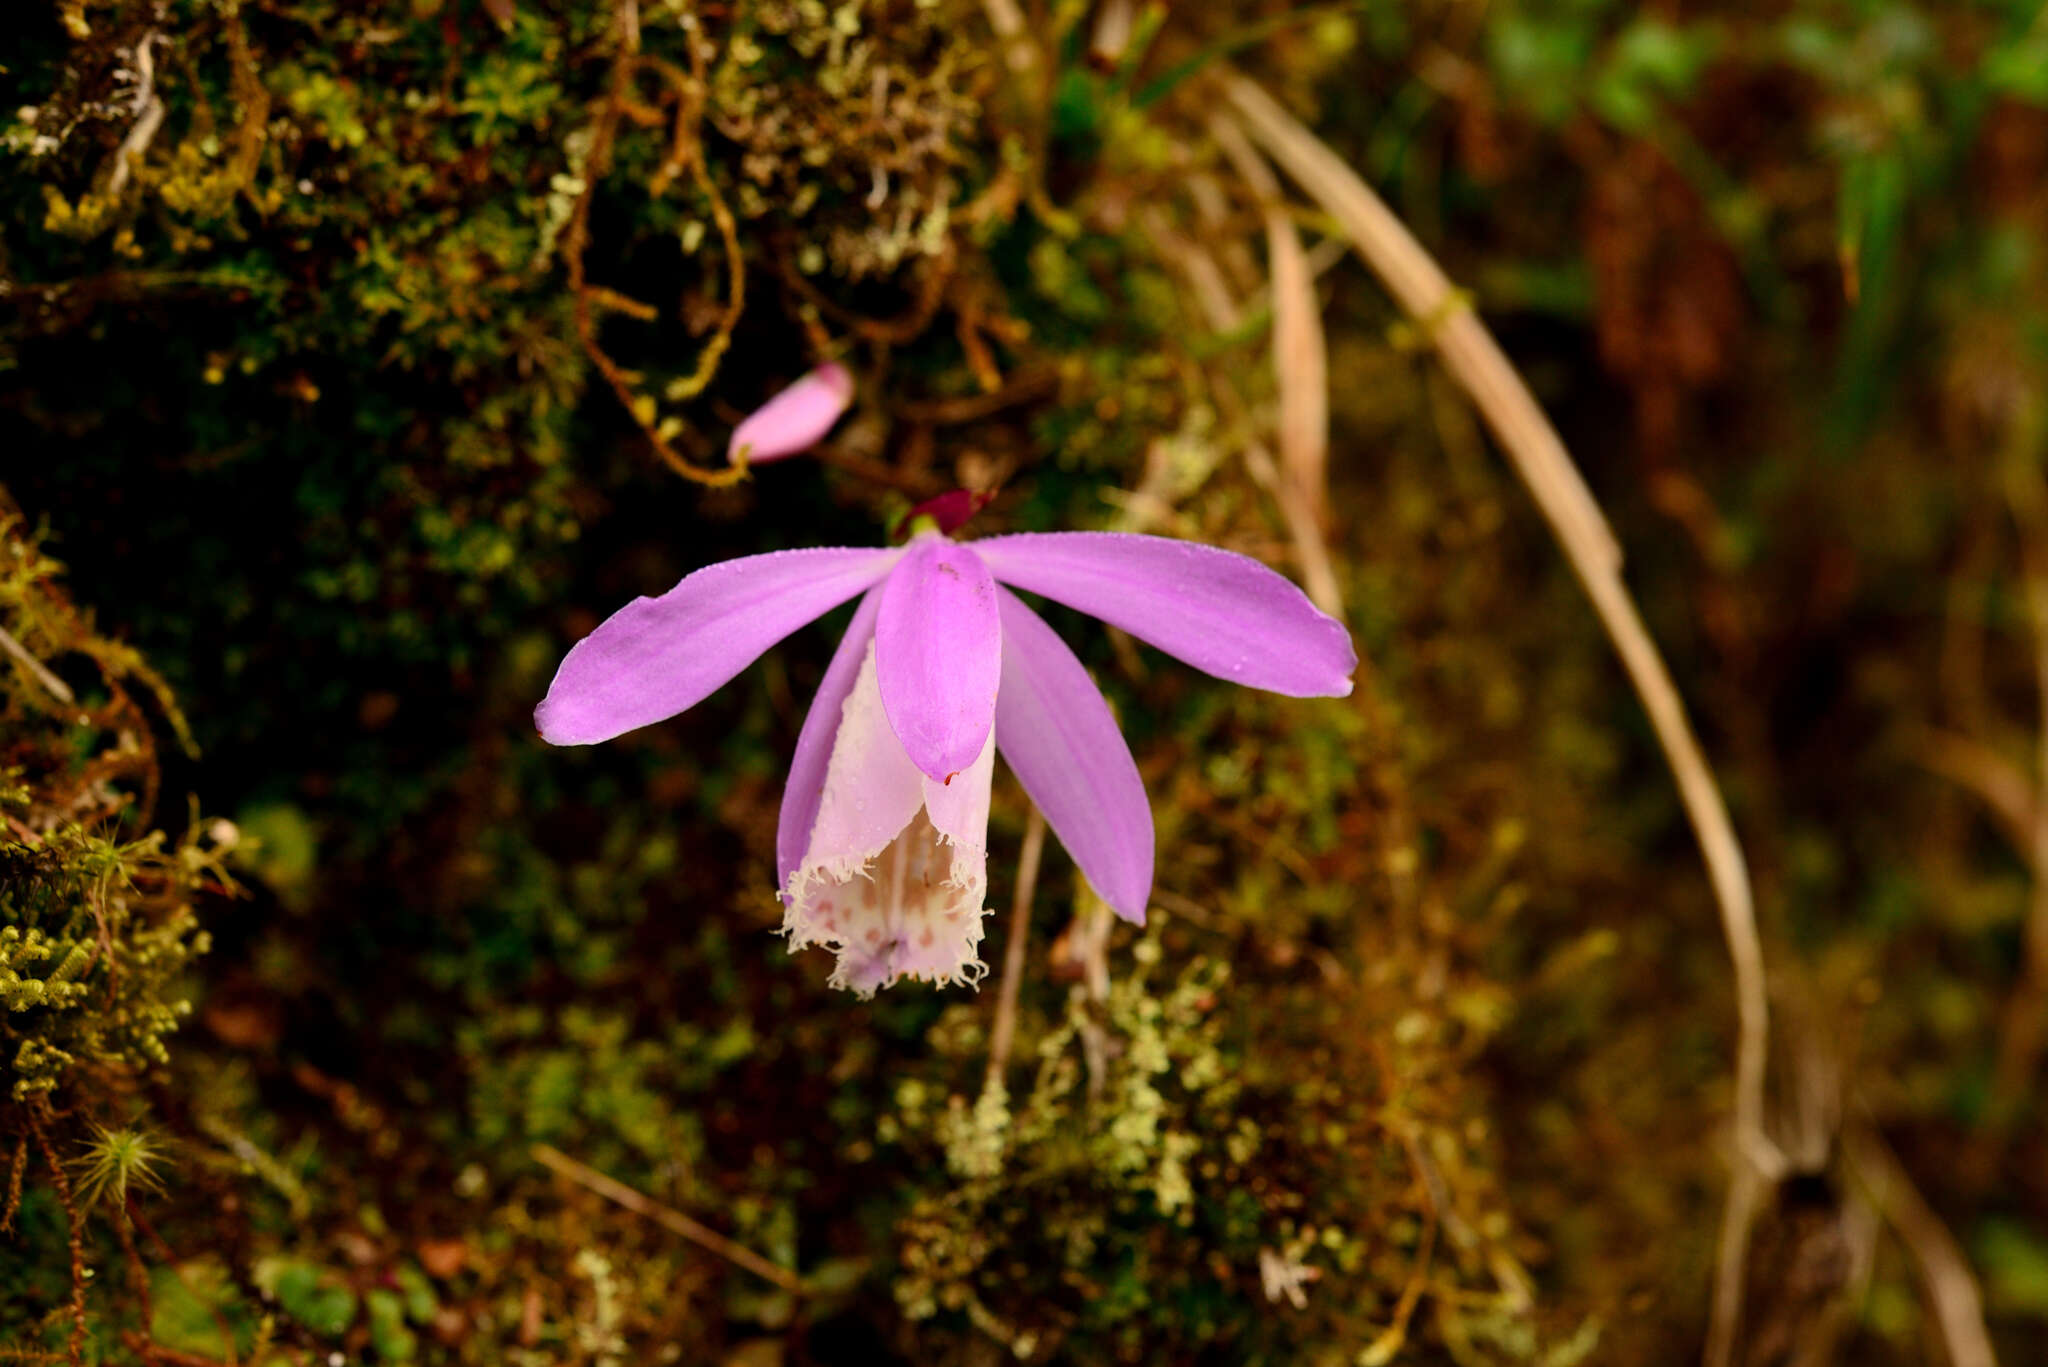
(2020,1039)
(1999,784)
(138,1279)
(1204,276)
(1092,953)
(1081,953)
(11,1205)
(2016,801)
(1395,1335)
(619,102)
(151,1351)
(163,1248)
(667,1217)
(1538,455)
(1005,1031)
(1944,1273)
(55,686)
(148,110)
(74,1234)
(1318,572)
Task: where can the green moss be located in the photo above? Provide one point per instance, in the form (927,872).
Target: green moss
(99,988)
(316,1297)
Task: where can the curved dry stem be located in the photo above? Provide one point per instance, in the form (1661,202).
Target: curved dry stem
(1301,374)
(1944,1273)
(1539,457)
(37,670)
(1004,1033)
(74,1235)
(2005,791)
(138,1280)
(1301,368)
(619,102)
(10,1205)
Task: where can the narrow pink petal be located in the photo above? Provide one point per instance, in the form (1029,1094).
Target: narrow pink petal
(656,656)
(796,419)
(1223,613)
(805,788)
(1057,735)
(938,654)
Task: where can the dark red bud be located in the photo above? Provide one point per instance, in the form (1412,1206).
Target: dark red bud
(952,510)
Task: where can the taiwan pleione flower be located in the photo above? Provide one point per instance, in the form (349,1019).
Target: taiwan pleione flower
(881,850)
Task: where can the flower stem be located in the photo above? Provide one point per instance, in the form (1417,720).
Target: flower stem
(1005,1032)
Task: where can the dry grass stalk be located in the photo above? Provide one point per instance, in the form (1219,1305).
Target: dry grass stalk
(548,1156)
(1945,1275)
(1539,457)
(1219,307)
(1301,367)
(1422,290)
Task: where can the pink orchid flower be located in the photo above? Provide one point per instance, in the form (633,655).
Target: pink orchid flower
(882,846)
(796,419)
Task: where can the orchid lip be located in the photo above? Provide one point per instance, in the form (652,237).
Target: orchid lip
(893,875)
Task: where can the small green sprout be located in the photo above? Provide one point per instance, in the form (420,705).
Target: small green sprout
(115,1163)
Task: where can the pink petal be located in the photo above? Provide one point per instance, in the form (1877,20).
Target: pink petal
(796,419)
(656,656)
(1056,733)
(938,654)
(1223,613)
(959,810)
(805,788)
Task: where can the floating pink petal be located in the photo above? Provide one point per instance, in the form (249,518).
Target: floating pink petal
(796,419)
